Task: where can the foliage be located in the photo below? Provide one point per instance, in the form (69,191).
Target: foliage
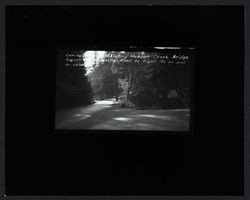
(73,86)
(148,83)
(104,81)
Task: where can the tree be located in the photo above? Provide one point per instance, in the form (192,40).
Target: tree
(104,81)
(147,78)
(73,86)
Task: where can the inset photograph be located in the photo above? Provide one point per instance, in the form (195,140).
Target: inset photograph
(134,89)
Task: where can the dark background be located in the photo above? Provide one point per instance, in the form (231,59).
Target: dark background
(42,161)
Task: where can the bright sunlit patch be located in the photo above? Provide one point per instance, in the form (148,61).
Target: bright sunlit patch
(104,102)
(86,116)
(83,116)
(157,117)
(153,116)
(77,115)
(122,119)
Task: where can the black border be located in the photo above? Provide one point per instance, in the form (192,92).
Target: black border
(181,2)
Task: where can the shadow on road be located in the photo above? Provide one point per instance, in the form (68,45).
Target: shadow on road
(113,117)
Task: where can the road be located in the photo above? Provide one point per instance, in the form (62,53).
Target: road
(67,117)
(108,115)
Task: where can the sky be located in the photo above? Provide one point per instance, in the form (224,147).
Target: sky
(89,59)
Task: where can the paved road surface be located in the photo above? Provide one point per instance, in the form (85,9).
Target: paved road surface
(108,115)
(67,117)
